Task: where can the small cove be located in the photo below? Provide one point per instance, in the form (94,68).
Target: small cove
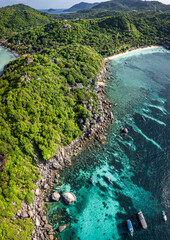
(139,83)
(5,58)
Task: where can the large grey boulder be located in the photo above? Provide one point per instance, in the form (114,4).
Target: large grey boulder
(30,213)
(48,227)
(24,213)
(55,196)
(45,186)
(69,198)
(56,165)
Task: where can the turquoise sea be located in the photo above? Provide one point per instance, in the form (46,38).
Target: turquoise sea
(5,58)
(140,85)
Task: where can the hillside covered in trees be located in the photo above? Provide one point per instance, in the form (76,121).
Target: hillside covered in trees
(42,92)
(107,35)
(81,6)
(132,5)
(20,17)
(40,107)
(115,7)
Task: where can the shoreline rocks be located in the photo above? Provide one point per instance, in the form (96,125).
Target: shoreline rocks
(56,196)
(69,198)
(62,228)
(49,170)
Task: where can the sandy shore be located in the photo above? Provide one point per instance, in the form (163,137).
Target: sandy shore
(102,78)
(130,51)
(10,50)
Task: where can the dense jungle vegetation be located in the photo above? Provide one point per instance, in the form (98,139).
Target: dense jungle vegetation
(113,7)
(40,107)
(42,94)
(132,5)
(19,17)
(106,35)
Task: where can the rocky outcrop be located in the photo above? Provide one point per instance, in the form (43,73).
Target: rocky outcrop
(62,228)
(69,198)
(101,139)
(37,192)
(56,196)
(111,117)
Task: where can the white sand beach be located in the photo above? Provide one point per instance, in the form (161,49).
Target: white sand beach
(102,81)
(130,51)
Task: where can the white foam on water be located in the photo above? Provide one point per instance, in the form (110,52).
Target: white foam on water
(151,118)
(157,98)
(130,145)
(145,110)
(154,119)
(161,108)
(138,130)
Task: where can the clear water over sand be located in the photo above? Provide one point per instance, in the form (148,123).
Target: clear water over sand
(5,58)
(140,85)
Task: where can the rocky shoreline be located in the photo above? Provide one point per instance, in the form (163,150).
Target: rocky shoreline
(49,170)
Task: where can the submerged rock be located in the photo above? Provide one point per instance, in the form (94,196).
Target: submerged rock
(55,196)
(62,228)
(69,198)
(125,130)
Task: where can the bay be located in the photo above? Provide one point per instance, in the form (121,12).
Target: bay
(5,58)
(139,83)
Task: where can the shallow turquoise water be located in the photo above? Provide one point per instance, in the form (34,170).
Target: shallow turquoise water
(5,58)
(140,84)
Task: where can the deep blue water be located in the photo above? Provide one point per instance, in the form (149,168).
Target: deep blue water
(140,85)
